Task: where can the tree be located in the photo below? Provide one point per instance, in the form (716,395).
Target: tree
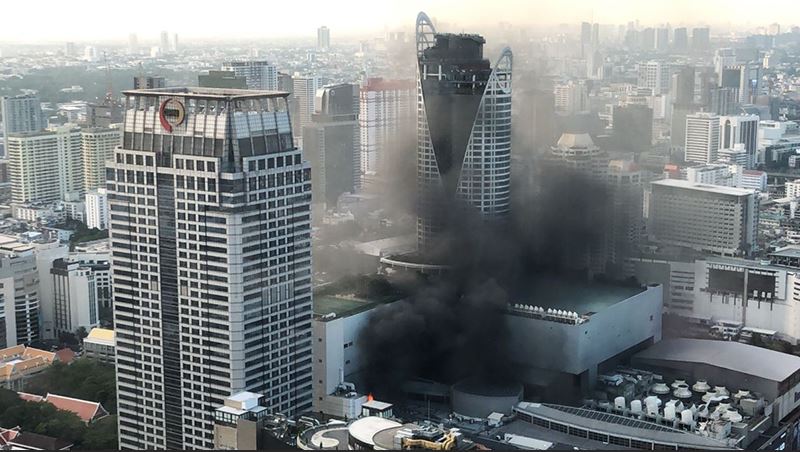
(84,378)
(101,435)
(38,417)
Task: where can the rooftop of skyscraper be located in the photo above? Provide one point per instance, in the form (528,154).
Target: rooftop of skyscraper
(208,93)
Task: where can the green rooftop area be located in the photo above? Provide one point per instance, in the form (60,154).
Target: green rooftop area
(353,294)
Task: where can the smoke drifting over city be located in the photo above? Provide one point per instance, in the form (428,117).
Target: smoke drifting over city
(453,326)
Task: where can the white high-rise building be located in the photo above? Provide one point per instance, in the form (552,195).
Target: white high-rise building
(97,209)
(45,166)
(304,91)
(19,293)
(97,146)
(75,297)
(211,256)
(742,129)
(386,107)
(709,218)
(258,74)
(655,76)
(323,38)
(702,138)
(20,114)
(46,254)
(571,96)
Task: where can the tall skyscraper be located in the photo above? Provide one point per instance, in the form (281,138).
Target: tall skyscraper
(304,90)
(387,113)
(332,143)
(662,39)
(259,74)
(680,39)
(164,42)
(464,128)
(700,39)
(21,114)
(323,37)
(210,219)
(45,166)
(741,129)
(97,146)
(702,138)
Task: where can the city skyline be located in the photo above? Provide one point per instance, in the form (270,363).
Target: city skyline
(300,21)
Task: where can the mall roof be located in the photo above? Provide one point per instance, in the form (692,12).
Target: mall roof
(734,356)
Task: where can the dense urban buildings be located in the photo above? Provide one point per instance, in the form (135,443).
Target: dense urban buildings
(464,134)
(258,74)
(222,257)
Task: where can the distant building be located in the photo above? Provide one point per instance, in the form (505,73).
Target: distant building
(75,296)
(742,129)
(222,79)
(571,97)
(700,39)
(97,209)
(680,39)
(148,82)
(655,76)
(323,38)
(702,138)
(20,316)
(386,114)
(45,166)
(332,143)
(21,114)
(97,146)
(633,127)
(257,74)
(715,219)
(100,344)
(164,42)
(304,91)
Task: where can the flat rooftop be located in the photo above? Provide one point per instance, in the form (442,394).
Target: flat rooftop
(354,294)
(207,93)
(579,296)
(788,251)
(734,356)
(706,188)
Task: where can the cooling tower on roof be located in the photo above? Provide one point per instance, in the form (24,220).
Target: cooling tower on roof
(701,386)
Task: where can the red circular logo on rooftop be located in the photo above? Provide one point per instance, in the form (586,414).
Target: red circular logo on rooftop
(172,114)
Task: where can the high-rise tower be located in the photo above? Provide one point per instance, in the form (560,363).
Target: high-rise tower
(464,128)
(211,241)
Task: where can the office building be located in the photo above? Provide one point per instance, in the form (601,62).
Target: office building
(737,155)
(464,135)
(304,91)
(655,76)
(20,114)
(45,166)
(19,293)
(633,127)
(387,111)
(662,39)
(571,96)
(97,209)
(702,138)
(258,74)
(215,298)
(707,218)
(323,38)
(75,297)
(626,193)
(148,82)
(332,143)
(742,129)
(97,146)
(164,42)
(133,44)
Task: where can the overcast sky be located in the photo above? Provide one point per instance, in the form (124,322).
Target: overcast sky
(47,20)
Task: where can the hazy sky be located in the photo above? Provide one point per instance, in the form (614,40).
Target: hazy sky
(45,20)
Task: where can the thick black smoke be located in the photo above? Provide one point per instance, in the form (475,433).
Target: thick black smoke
(453,326)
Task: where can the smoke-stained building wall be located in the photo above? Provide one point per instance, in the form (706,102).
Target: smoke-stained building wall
(464,135)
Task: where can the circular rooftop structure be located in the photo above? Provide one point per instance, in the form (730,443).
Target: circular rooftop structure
(361,432)
(477,398)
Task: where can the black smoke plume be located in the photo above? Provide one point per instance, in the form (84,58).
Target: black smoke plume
(453,326)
